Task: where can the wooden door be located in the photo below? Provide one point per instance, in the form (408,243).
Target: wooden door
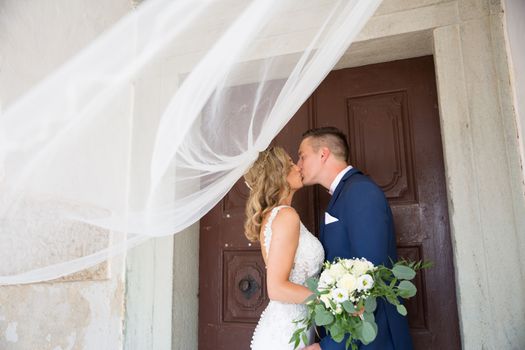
(389,113)
(232,289)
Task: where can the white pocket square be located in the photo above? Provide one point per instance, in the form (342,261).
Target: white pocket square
(328,219)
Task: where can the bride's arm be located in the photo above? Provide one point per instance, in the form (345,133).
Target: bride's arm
(284,242)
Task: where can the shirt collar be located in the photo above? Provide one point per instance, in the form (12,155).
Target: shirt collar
(338,178)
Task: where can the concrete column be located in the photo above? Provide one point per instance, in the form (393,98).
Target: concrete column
(483,209)
(185,289)
(149,281)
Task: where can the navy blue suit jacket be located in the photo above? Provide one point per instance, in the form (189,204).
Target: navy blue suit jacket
(364,229)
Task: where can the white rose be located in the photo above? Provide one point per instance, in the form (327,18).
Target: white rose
(365,282)
(326,279)
(337,271)
(348,263)
(360,267)
(348,282)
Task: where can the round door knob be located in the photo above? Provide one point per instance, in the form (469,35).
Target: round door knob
(244,285)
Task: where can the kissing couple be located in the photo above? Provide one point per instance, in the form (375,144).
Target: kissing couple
(357,224)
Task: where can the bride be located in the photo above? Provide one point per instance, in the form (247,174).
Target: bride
(291,253)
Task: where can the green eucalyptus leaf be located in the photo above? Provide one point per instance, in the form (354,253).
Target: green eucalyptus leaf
(402,309)
(349,306)
(368,332)
(374,324)
(370,304)
(323,318)
(339,337)
(311,298)
(369,317)
(312,284)
(337,332)
(403,272)
(357,333)
(407,289)
(319,308)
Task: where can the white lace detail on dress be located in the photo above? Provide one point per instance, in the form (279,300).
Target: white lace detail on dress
(276,326)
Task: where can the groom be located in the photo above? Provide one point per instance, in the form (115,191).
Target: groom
(357,223)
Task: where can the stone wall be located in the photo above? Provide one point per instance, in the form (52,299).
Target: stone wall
(85,310)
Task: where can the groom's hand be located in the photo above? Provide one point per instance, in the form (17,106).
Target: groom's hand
(314,346)
(360,312)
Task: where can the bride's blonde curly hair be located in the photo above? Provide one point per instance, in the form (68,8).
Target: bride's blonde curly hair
(268,187)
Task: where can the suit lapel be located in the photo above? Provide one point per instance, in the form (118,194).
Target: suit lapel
(339,188)
(337,191)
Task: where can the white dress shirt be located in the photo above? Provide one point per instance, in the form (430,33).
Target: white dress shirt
(338,178)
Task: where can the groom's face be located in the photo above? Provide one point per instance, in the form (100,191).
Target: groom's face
(310,162)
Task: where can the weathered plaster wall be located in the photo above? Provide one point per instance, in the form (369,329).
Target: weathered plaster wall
(66,315)
(185,289)
(149,267)
(481,166)
(36,37)
(83,311)
(515,27)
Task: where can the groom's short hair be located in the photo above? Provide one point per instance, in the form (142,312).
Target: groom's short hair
(330,137)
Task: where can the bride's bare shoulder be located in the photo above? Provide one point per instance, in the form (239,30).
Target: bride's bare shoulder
(287,217)
(287,213)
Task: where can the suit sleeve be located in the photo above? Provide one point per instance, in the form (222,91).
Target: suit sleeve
(367,222)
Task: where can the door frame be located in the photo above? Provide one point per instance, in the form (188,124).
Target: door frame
(476,119)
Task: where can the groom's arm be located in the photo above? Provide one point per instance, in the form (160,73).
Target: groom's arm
(367,222)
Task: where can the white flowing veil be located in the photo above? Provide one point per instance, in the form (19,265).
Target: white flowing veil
(147,128)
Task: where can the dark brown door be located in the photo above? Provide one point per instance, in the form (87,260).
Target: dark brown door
(389,112)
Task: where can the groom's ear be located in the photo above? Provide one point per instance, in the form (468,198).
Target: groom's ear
(325,152)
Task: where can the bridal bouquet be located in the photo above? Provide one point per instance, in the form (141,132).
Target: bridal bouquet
(345,296)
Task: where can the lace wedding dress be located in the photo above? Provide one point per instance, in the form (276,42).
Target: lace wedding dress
(275,327)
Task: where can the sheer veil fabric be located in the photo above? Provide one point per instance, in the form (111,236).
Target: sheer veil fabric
(148,127)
